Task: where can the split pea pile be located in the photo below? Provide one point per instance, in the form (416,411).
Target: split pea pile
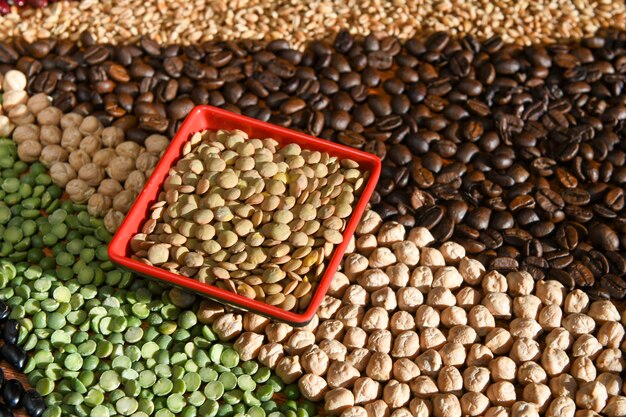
(412,330)
(95,165)
(251,216)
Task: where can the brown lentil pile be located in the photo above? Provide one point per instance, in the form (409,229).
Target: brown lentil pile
(521,22)
(408,329)
(95,165)
(251,216)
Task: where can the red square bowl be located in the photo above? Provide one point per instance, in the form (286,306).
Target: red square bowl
(211,118)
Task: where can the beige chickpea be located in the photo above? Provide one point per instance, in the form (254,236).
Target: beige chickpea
(19,115)
(431,338)
(450,380)
(421,237)
(453,316)
(381,257)
(612,383)
(453,354)
(350,315)
(431,257)
(554,361)
(550,292)
(502,393)
(499,341)
(29,150)
(399,275)
(610,360)
(471,270)
(25,132)
(354,338)
(480,319)
(576,301)
(334,349)
(493,281)
(135,181)
(406,345)
(527,306)
(586,345)
(615,407)
(446,405)
(586,413)
(288,369)
(377,408)
(499,305)
(380,341)
(130,149)
(313,387)
(478,355)
(93,175)
(338,285)
(429,362)
(524,409)
(209,311)
(356,295)
(476,378)
(452,252)
(421,278)
(354,412)
(314,360)
(50,135)
(341,374)
(592,396)
(38,102)
(248,345)
(145,161)
(366,244)
(525,328)
(474,404)
(108,186)
(79,191)
(278,332)
(502,368)
(525,349)
(462,334)
(338,400)
(550,317)
(103,156)
(375,318)
(62,173)
(401,412)
(97,205)
(611,334)
(423,387)
(359,358)
(561,407)
(498,411)
(366,390)
(530,372)
(404,370)
(420,407)
(384,298)
(49,116)
(90,125)
(539,394)
(155,143)
(468,297)
(426,316)
(583,369)
(559,338)
(440,298)
(520,283)
(299,341)
(406,252)
(578,324)
(120,167)
(409,299)
(91,144)
(329,329)
(379,367)
(373,279)
(255,322)
(328,307)
(390,232)
(563,385)
(312,324)
(448,277)
(401,321)
(51,154)
(71,120)
(396,394)
(603,310)
(228,326)
(78,159)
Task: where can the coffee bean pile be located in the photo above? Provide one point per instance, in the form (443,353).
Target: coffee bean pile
(512,152)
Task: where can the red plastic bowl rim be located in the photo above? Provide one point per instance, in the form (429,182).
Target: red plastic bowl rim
(119,245)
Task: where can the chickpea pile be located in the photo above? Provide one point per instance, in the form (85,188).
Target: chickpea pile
(95,164)
(411,330)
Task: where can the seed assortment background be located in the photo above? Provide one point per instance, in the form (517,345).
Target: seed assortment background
(488,278)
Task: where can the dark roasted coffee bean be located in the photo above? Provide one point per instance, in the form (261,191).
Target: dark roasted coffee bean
(617,262)
(615,285)
(563,277)
(443,231)
(12,393)
(603,237)
(581,275)
(491,238)
(504,264)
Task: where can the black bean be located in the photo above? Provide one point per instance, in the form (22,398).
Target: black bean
(12,393)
